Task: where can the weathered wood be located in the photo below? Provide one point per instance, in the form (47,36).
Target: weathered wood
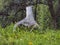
(28,20)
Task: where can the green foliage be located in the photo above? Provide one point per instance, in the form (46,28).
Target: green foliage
(43,16)
(1,4)
(24,37)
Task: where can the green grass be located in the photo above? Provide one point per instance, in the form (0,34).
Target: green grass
(24,37)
